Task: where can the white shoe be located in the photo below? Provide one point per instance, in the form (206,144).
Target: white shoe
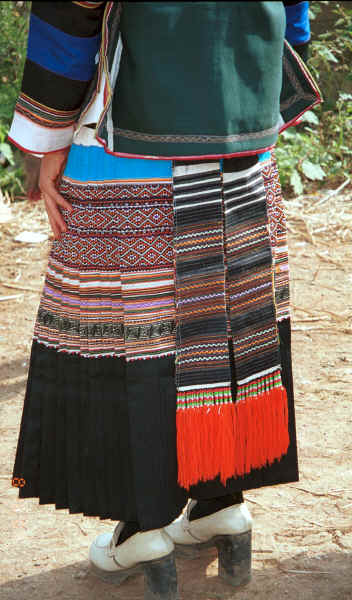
(232,520)
(106,555)
(151,552)
(229,530)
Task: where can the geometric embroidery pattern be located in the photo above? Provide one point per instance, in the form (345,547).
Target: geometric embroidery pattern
(109,288)
(278,237)
(131,229)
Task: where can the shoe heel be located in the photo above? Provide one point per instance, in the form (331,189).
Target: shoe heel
(235,554)
(114,577)
(161,579)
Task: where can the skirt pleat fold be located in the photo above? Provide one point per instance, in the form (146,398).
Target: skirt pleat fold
(98,428)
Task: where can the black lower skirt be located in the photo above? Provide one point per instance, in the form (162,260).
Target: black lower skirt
(98,437)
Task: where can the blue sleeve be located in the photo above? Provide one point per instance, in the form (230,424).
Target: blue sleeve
(297,23)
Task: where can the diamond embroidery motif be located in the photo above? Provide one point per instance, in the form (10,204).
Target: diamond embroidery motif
(128,227)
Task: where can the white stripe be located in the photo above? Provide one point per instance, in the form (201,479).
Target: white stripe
(198,298)
(257,346)
(252,377)
(214,345)
(229,210)
(202,182)
(112,77)
(147,286)
(247,185)
(158,352)
(196,194)
(227,177)
(197,204)
(181,170)
(83,284)
(249,337)
(94,111)
(192,360)
(37,139)
(235,198)
(200,234)
(258,287)
(202,387)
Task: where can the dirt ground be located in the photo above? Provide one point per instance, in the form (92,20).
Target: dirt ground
(302,531)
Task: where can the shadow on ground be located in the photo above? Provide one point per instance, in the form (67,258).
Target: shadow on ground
(328,577)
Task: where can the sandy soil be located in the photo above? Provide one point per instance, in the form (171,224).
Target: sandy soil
(302,531)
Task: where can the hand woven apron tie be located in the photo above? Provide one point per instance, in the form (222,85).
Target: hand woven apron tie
(225,290)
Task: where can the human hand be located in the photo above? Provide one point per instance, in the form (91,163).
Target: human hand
(51,169)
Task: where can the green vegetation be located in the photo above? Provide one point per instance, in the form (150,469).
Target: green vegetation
(315,153)
(319,150)
(14,27)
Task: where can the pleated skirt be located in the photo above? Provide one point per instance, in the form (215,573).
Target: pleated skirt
(98,428)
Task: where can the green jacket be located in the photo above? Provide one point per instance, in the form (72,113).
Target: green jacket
(200,78)
(162,79)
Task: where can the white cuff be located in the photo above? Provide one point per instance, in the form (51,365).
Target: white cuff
(35,139)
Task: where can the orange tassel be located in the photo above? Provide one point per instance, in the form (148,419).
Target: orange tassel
(230,439)
(205,443)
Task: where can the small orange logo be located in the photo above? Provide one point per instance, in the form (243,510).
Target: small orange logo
(18,482)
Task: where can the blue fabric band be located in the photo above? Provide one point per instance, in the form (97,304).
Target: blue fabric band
(264,156)
(90,163)
(297,23)
(61,53)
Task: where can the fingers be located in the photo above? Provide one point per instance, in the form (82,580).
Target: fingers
(54,227)
(53,202)
(60,200)
(52,165)
(56,219)
(48,188)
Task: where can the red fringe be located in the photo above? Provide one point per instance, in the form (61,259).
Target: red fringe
(230,439)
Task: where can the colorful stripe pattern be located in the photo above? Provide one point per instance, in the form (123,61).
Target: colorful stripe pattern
(43,115)
(109,288)
(56,80)
(250,281)
(215,217)
(199,255)
(110,282)
(110,291)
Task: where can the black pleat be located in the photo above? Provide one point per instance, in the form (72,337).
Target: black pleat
(152,409)
(24,467)
(90,500)
(61,462)
(84,419)
(74,434)
(98,436)
(119,468)
(45,391)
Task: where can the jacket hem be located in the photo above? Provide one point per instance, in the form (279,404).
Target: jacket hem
(185,156)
